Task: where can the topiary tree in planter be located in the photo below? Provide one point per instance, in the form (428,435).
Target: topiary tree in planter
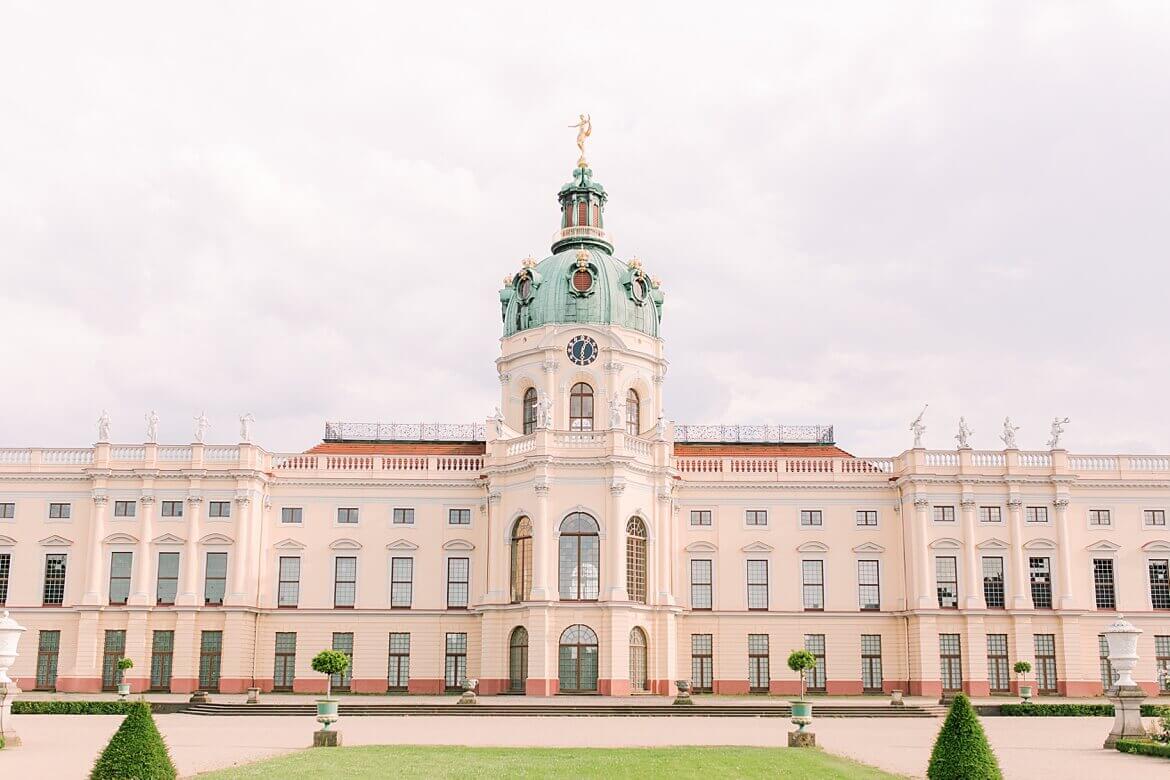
(136,750)
(329,663)
(800,661)
(961,751)
(124,664)
(1022,668)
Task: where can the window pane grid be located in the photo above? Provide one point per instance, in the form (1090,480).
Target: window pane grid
(458,570)
(215,578)
(398,675)
(702,663)
(869,587)
(701,517)
(636,560)
(757,582)
(871,662)
(997,662)
(54,588)
(867,517)
(1045,662)
(1103,591)
(813,584)
(401,581)
(810,517)
(815,677)
(946,574)
(343,643)
(950,661)
(993,591)
(120,568)
(1160,584)
(344,581)
(1040,579)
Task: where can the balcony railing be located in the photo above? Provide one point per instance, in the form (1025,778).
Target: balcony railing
(583,231)
(754,434)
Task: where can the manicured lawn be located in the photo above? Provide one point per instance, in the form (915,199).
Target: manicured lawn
(387,761)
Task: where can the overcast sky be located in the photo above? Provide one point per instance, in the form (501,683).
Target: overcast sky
(305,210)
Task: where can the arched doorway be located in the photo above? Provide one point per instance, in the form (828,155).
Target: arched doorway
(638,681)
(518,660)
(577,661)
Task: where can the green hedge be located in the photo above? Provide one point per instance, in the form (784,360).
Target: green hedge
(136,751)
(1144,748)
(71,707)
(1074,710)
(961,751)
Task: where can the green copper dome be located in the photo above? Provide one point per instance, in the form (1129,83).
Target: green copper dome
(581,281)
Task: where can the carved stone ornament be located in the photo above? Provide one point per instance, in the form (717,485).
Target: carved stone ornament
(495,497)
(100,498)
(194,499)
(665,494)
(505,378)
(549,366)
(967,503)
(528,262)
(1015,502)
(1060,503)
(541,487)
(921,503)
(617,487)
(146,498)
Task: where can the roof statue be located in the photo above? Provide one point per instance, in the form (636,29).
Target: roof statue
(584,128)
(1056,432)
(964,434)
(1009,434)
(152,427)
(201,426)
(103,424)
(246,421)
(918,427)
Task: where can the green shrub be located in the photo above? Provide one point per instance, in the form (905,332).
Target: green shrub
(961,751)
(800,661)
(329,663)
(71,707)
(1143,748)
(136,751)
(1075,710)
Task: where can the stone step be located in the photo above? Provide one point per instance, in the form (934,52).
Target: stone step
(555,710)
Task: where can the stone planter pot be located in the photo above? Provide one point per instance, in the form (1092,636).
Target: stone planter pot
(123,690)
(327,708)
(1026,693)
(801,709)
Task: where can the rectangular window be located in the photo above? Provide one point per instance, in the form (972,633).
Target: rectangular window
(172,509)
(946,575)
(398,676)
(343,643)
(291,515)
(285,668)
(869,591)
(866,517)
(168,578)
(1036,514)
(756,517)
(1045,663)
(404,516)
(54,591)
(950,662)
(815,677)
(944,514)
(993,595)
(7,511)
(1162,662)
(1160,584)
(702,663)
(1103,588)
(810,517)
(990,514)
(401,582)
(344,582)
(1152,516)
(219,509)
(113,650)
(288,586)
(210,658)
(5,573)
(871,663)
(49,645)
(455,668)
(124,509)
(700,517)
(347,515)
(120,568)
(1040,577)
(701,584)
(59,511)
(162,652)
(458,517)
(997,663)
(215,578)
(759,674)
(812,575)
(757,584)
(1100,517)
(458,574)
(1108,678)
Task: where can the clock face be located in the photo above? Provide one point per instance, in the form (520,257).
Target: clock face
(582,350)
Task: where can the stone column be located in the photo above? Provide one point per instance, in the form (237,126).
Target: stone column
(189,587)
(1064,554)
(972,585)
(238,592)
(925,575)
(93,575)
(143,562)
(664,539)
(1018,579)
(616,542)
(543,587)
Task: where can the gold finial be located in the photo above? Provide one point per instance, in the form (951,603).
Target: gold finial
(634,264)
(528,262)
(656,281)
(508,280)
(582,258)
(584,128)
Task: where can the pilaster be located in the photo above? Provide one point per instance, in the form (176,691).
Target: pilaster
(189,587)
(143,563)
(93,575)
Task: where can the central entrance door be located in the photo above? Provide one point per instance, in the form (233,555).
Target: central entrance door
(518,660)
(578,660)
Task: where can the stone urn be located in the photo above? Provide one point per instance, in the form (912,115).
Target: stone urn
(10,632)
(327,712)
(802,719)
(684,692)
(469,697)
(896,699)
(1122,638)
(123,690)
(1025,693)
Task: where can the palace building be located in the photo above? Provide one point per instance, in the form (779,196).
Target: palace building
(578,542)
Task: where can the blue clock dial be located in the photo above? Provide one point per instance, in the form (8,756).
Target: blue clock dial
(582,350)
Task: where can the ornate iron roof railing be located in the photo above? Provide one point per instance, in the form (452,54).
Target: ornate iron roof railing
(754,434)
(346,431)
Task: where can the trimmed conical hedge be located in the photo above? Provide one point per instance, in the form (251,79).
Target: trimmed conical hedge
(961,751)
(136,751)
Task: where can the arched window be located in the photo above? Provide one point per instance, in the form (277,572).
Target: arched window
(638,681)
(581,407)
(577,661)
(529,410)
(522,561)
(518,660)
(633,413)
(580,557)
(636,560)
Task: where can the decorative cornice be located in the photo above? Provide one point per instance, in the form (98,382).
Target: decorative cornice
(1060,502)
(921,503)
(665,494)
(541,487)
(494,497)
(1015,502)
(147,498)
(617,487)
(100,498)
(194,498)
(967,504)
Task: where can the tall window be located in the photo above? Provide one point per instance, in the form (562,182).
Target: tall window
(581,407)
(869,585)
(1045,663)
(1036,514)
(398,674)
(529,410)
(993,583)
(120,568)
(344,582)
(759,673)
(5,573)
(1040,577)
(168,578)
(455,662)
(347,515)
(112,652)
(288,591)
(946,576)
(1103,588)
(810,517)
(813,584)
(210,655)
(343,643)
(702,663)
(998,678)
(815,679)
(518,660)
(1108,678)
(48,648)
(638,677)
(401,582)
(215,578)
(54,590)
(577,660)
(162,652)
(580,558)
(633,413)
(1100,517)
(1162,661)
(950,662)
(990,514)
(285,672)
(458,582)
(522,560)
(756,517)
(757,584)
(636,560)
(701,584)
(871,663)
(1160,583)
(944,514)
(701,517)
(1154,516)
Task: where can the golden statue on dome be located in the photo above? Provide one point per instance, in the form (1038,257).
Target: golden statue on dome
(584,128)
